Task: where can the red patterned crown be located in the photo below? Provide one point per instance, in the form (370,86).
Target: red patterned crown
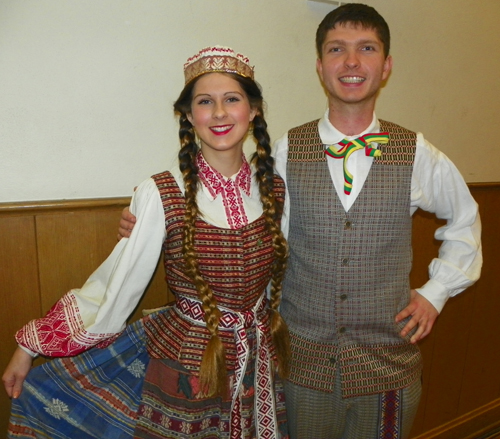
(217,59)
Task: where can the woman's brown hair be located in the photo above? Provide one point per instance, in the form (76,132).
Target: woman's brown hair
(213,373)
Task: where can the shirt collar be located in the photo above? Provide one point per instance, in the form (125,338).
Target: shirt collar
(214,182)
(330,135)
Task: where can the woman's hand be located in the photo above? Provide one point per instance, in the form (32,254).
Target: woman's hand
(16,372)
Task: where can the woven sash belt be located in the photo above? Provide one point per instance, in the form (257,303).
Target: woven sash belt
(239,322)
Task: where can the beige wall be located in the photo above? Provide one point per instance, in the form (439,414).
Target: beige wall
(86,86)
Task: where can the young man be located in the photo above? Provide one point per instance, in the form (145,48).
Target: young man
(353,318)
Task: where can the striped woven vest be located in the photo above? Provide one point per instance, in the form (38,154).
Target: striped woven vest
(237,264)
(348,274)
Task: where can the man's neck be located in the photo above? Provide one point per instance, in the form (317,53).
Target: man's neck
(351,120)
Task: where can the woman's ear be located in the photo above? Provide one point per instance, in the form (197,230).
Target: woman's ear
(253,112)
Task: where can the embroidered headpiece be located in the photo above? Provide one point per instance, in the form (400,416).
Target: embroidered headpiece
(217,59)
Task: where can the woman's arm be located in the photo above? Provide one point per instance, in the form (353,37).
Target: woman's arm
(85,317)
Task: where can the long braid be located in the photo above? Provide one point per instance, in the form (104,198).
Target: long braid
(273,208)
(213,374)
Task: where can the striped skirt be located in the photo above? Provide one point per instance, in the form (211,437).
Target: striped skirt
(120,393)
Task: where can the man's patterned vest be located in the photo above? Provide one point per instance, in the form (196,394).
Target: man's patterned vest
(348,273)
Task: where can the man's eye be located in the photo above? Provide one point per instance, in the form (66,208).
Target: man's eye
(369,48)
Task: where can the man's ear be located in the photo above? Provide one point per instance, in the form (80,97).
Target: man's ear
(319,69)
(387,67)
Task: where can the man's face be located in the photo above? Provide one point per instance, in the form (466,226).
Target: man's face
(353,65)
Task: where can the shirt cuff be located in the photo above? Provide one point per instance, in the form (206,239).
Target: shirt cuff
(436,293)
(28,351)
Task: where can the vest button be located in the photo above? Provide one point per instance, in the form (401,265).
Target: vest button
(345,261)
(347,225)
(342,330)
(332,360)
(343,296)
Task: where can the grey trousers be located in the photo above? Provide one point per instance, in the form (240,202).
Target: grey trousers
(320,415)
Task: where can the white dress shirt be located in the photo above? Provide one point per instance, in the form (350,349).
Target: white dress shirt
(436,186)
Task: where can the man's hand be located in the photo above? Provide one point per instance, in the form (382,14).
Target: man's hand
(127,222)
(16,371)
(423,314)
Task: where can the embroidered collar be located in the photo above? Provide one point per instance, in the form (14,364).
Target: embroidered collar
(217,184)
(229,189)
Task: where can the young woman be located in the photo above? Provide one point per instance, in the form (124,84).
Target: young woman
(206,366)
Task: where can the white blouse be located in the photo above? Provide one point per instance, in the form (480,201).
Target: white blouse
(100,308)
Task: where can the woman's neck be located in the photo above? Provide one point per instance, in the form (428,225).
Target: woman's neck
(227,163)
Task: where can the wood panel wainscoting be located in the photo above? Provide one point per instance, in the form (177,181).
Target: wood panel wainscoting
(47,248)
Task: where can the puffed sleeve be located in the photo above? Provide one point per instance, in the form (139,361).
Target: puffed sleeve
(438,187)
(96,312)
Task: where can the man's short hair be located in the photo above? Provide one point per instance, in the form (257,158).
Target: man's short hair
(359,15)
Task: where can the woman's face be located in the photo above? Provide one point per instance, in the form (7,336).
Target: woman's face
(220,113)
